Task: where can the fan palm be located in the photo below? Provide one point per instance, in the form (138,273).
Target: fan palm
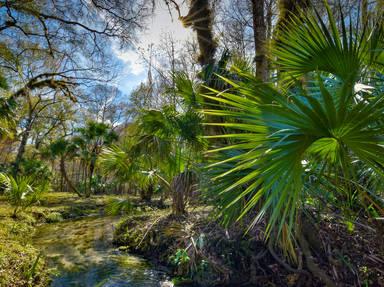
(326,119)
(90,141)
(63,150)
(22,192)
(164,144)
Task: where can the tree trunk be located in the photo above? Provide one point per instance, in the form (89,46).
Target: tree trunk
(90,176)
(21,149)
(288,8)
(181,188)
(200,19)
(146,194)
(61,182)
(259,34)
(67,180)
(178,204)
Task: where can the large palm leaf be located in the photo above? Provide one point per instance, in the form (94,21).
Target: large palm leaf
(277,136)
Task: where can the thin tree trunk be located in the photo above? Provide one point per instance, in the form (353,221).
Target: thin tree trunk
(61,182)
(259,34)
(69,182)
(90,175)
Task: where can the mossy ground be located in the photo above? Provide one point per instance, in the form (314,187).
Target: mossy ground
(20,263)
(17,255)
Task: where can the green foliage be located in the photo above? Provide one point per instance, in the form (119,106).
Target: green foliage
(3,82)
(180,257)
(32,272)
(313,137)
(308,44)
(161,143)
(36,169)
(21,192)
(7,106)
(119,206)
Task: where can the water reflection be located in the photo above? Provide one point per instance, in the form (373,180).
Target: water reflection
(82,253)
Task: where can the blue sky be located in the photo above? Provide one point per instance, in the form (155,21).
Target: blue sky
(134,69)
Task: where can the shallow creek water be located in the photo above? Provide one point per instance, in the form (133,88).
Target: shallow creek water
(82,253)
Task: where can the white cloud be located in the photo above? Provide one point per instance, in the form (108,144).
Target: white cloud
(160,24)
(132,60)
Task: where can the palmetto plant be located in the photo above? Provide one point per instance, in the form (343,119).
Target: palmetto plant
(322,119)
(164,145)
(22,192)
(90,142)
(63,150)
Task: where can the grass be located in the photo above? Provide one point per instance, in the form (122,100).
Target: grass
(20,262)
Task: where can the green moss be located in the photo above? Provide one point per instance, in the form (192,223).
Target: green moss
(54,217)
(20,266)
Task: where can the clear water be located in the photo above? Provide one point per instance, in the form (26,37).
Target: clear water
(82,254)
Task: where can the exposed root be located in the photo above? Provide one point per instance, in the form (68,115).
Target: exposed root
(285,264)
(311,265)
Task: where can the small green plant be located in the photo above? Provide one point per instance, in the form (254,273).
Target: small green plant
(350,226)
(32,272)
(119,206)
(21,192)
(180,257)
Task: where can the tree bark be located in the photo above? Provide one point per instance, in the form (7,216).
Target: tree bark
(199,17)
(67,180)
(178,204)
(288,8)
(21,149)
(181,188)
(259,34)
(90,176)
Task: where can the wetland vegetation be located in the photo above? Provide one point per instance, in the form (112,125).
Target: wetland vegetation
(191,143)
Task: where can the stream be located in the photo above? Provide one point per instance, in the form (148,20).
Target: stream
(82,254)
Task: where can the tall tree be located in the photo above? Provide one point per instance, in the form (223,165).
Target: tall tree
(260,34)
(200,18)
(288,8)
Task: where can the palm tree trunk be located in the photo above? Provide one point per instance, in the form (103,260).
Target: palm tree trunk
(259,34)
(181,188)
(178,205)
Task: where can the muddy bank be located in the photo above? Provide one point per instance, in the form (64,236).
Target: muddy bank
(199,251)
